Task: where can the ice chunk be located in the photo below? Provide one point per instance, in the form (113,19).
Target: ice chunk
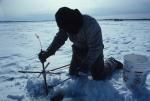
(35,87)
(16,97)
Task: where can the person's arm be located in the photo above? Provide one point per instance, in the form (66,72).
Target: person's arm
(95,44)
(57,42)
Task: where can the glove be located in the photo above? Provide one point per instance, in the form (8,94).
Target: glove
(43,56)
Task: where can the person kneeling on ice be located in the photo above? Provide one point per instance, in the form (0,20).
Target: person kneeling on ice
(85,34)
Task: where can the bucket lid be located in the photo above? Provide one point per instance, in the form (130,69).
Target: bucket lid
(136,59)
(137,62)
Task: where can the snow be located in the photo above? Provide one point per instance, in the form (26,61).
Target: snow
(19,48)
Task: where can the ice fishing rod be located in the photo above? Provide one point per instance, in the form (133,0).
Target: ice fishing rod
(44,72)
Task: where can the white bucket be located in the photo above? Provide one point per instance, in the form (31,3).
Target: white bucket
(136,68)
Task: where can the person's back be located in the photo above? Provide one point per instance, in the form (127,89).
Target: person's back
(89,31)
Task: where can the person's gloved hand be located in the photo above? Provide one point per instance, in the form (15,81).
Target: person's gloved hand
(43,56)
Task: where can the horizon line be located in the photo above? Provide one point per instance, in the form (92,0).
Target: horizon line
(109,19)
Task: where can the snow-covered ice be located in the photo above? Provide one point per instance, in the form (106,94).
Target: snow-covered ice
(19,48)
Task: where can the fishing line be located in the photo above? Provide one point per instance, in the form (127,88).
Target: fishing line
(37,36)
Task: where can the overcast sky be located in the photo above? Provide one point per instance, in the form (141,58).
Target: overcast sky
(45,9)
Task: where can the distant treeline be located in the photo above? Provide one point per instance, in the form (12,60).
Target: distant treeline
(97,19)
(122,19)
(26,21)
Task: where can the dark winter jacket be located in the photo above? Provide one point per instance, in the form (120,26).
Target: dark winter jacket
(87,43)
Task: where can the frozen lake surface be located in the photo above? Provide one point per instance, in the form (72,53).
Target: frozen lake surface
(19,48)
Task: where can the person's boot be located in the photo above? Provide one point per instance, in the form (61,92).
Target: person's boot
(119,65)
(112,64)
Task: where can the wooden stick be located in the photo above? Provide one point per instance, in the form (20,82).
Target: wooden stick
(45,68)
(59,67)
(44,76)
(29,72)
(38,72)
(62,82)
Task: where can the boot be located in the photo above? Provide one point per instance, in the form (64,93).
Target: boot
(112,64)
(118,64)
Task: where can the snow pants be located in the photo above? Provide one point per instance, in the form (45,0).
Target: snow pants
(99,70)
